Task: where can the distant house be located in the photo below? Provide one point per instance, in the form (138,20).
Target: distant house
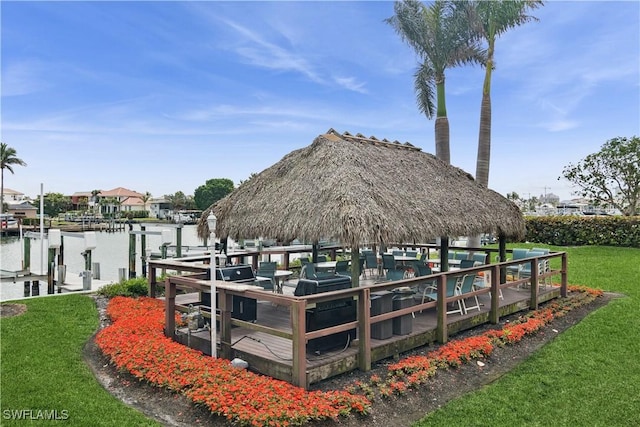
(21,209)
(160,208)
(13,195)
(120,200)
(81,200)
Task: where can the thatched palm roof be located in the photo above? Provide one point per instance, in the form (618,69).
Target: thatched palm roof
(356,190)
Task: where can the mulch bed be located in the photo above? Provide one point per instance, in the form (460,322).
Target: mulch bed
(10,310)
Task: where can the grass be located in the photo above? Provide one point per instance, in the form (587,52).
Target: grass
(589,375)
(42,367)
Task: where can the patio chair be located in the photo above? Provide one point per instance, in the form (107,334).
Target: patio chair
(461,255)
(517,253)
(371,262)
(423,289)
(322,258)
(545,264)
(412,254)
(420,269)
(524,269)
(393,275)
(268,271)
(451,254)
(467,263)
(479,257)
(388,262)
(466,286)
(342,268)
(452,290)
(480,283)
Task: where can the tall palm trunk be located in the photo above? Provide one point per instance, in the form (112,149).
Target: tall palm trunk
(484,136)
(442,139)
(443,152)
(484,142)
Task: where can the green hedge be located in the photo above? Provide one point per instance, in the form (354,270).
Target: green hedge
(578,231)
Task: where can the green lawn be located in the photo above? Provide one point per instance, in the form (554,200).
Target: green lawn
(42,368)
(588,376)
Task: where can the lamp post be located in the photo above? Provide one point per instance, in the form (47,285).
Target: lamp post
(211,221)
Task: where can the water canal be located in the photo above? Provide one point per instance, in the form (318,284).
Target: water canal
(112,252)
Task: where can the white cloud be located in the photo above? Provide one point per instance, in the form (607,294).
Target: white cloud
(351,84)
(22,78)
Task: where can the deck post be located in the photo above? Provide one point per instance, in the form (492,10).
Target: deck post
(169,308)
(132,256)
(143,252)
(502,253)
(441,308)
(299,344)
(179,242)
(61,252)
(494,314)
(533,303)
(26,262)
(153,288)
(314,252)
(225,302)
(444,254)
(563,273)
(51,271)
(355,267)
(364,329)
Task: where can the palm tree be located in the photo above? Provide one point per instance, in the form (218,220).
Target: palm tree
(440,42)
(488,20)
(145,199)
(7,160)
(94,199)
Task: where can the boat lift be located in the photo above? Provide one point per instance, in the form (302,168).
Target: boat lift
(55,247)
(167,238)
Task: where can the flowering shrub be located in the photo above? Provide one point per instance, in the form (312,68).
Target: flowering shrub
(416,370)
(135,342)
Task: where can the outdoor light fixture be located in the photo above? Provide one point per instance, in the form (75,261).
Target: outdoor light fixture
(211,222)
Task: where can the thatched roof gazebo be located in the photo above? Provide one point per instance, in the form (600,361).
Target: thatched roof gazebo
(362,190)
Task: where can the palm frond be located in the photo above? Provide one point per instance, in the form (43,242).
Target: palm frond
(424,79)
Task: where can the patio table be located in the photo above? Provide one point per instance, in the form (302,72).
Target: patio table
(326,266)
(279,276)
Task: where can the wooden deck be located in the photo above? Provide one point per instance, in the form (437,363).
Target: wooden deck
(273,355)
(277,343)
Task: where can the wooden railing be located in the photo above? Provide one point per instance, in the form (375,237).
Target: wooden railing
(298,334)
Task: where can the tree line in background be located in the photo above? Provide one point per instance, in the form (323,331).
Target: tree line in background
(610,176)
(204,196)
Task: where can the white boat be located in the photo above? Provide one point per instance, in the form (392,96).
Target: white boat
(7,221)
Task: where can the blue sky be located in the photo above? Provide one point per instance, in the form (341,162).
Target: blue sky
(161,96)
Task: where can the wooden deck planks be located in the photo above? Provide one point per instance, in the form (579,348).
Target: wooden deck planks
(271,355)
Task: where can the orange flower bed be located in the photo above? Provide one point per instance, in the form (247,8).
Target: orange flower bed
(415,370)
(135,342)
